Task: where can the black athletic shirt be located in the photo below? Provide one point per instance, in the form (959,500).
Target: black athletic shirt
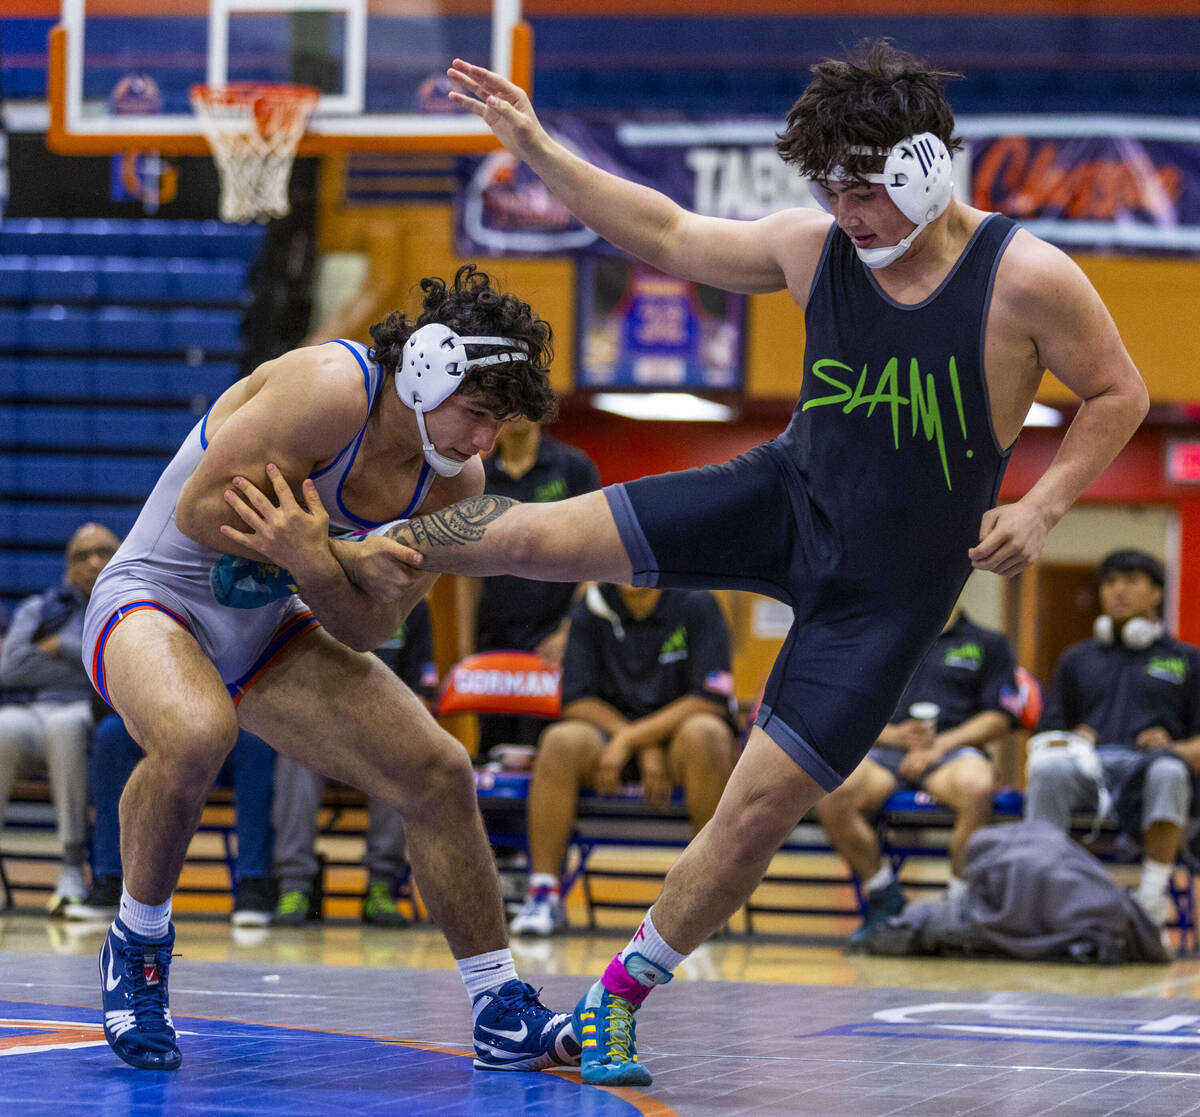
(516,613)
(1119,692)
(640,666)
(968,670)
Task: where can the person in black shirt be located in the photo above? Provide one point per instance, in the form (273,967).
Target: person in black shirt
(968,687)
(298,794)
(646,691)
(517,614)
(1134,692)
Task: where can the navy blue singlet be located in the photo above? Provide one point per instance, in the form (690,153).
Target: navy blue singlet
(860,514)
(893,431)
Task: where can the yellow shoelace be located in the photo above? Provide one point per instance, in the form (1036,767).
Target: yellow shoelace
(619,1026)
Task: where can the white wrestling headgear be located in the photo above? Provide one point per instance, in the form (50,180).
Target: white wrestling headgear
(917,175)
(431,371)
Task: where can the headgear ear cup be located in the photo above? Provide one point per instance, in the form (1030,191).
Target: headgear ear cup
(1102,630)
(431,371)
(918,176)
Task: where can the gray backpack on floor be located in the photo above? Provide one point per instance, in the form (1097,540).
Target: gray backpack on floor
(1032,893)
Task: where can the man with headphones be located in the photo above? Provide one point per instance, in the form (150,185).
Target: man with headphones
(1131,693)
(190,638)
(927,326)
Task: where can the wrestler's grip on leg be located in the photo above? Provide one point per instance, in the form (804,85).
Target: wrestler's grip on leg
(379,566)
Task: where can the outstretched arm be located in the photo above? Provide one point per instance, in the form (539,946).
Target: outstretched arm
(733,255)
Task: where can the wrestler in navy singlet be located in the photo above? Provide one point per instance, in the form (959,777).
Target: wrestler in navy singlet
(860,515)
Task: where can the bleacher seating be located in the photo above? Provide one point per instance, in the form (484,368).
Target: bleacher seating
(115,336)
(122,279)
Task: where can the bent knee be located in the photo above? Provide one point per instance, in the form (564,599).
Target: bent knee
(194,759)
(1166,771)
(704,737)
(566,741)
(755,830)
(444,777)
(974,794)
(838,804)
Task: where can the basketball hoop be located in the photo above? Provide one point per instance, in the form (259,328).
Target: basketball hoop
(253,129)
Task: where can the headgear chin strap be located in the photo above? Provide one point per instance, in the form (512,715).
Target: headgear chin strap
(917,175)
(431,371)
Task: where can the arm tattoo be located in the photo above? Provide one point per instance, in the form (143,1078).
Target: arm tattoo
(455,526)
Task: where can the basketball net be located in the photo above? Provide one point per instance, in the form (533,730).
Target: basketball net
(253,129)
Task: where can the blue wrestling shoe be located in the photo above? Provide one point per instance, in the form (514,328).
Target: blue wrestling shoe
(515,1031)
(133,990)
(242,583)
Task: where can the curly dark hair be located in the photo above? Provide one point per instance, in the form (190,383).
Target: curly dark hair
(473,306)
(877,97)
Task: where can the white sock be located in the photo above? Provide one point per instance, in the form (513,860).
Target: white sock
(649,944)
(881,879)
(484,973)
(1155,876)
(544,880)
(147,921)
(956,887)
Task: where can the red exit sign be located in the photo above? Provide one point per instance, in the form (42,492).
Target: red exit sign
(1183,460)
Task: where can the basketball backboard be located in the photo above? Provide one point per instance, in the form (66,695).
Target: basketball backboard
(120,70)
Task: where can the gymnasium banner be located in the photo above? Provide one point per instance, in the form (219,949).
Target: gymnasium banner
(1102,189)
(1126,183)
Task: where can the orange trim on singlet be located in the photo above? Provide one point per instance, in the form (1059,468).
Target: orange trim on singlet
(280,642)
(110,626)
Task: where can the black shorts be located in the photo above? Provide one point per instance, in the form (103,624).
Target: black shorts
(864,617)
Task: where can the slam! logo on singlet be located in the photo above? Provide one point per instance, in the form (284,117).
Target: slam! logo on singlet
(924,418)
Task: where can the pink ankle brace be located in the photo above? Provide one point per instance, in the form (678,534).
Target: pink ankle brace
(618,981)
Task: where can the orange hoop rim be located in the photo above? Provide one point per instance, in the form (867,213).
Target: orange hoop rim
(301,98)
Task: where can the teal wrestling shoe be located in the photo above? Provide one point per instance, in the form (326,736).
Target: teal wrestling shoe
(242,583)
(605,1028)
(604,1022)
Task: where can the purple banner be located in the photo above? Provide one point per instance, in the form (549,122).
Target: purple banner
(1120,182)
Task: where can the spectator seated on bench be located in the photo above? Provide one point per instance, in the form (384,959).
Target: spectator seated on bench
(646,694)
(1122,725)
(962,697)
(41,658)
(517,614)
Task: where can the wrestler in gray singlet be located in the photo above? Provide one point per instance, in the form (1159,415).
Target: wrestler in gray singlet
(158,567)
